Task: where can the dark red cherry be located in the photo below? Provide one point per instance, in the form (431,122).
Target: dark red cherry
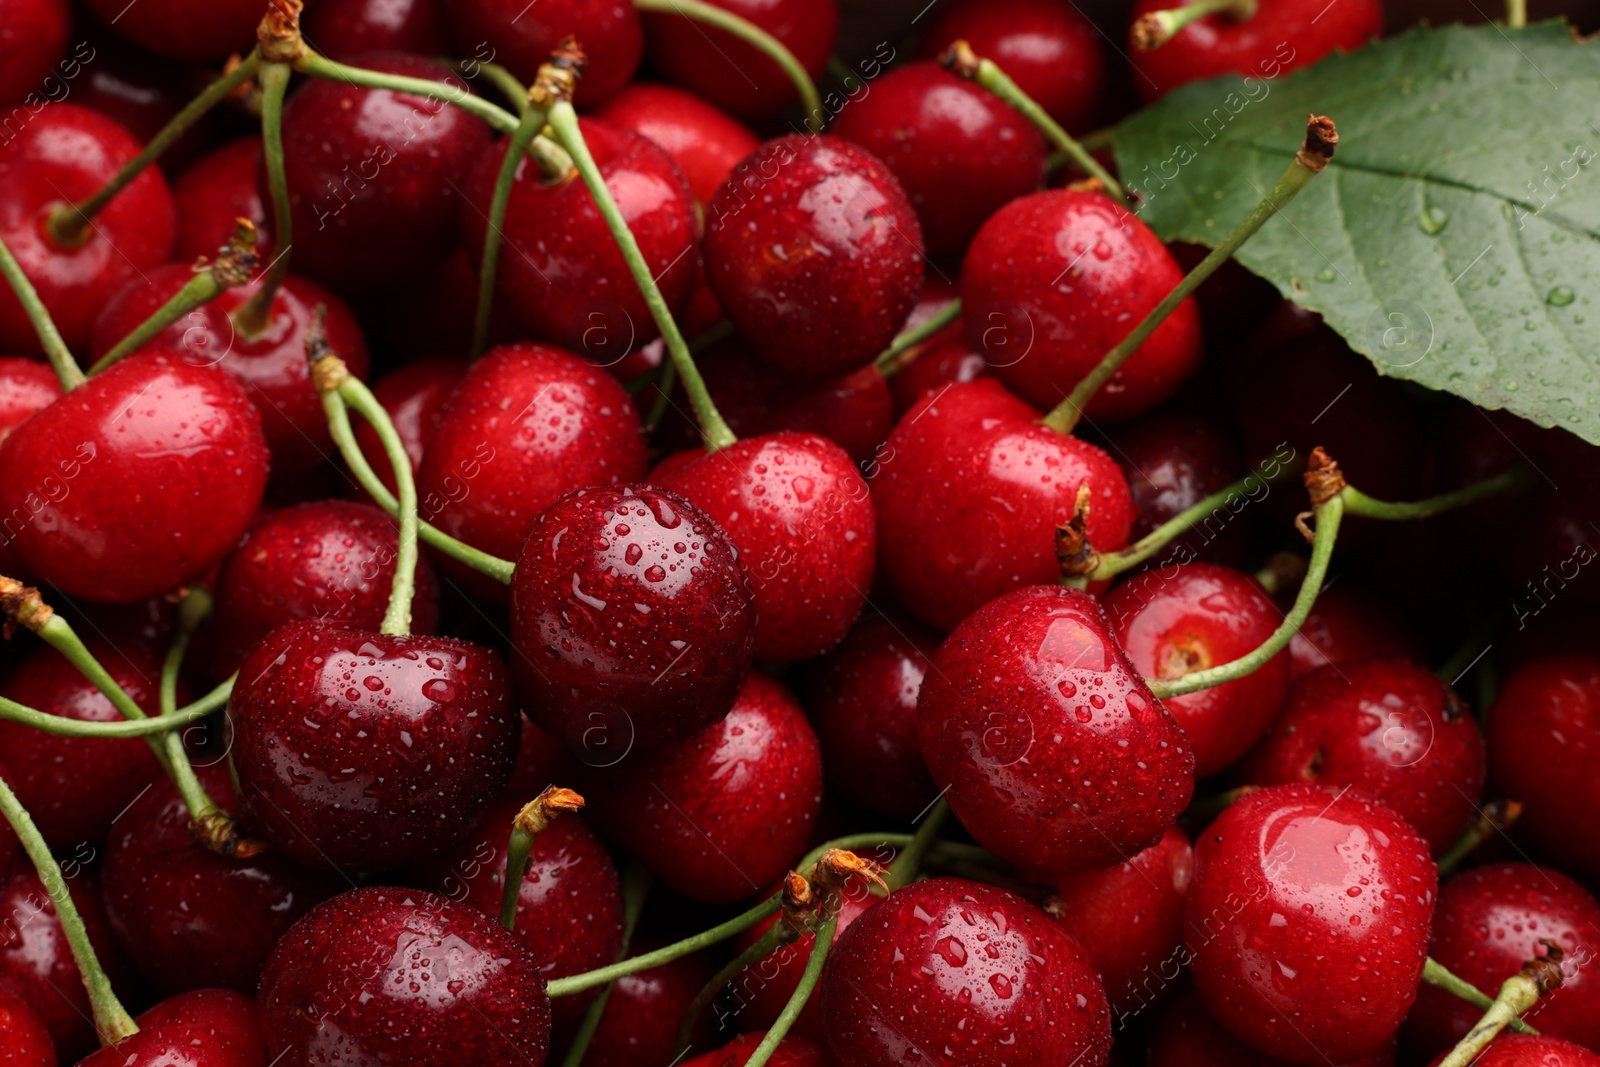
(798,512)
(202,1028)
(135,482)
(1259,47)
(391,975)
(271,364)
(959,151)
(569,912)
(1517,1050)
(542,761)
(704,142)
(561,274)
(415,396)
(332,561)
(35,41)
(1051,748)
(731,74)
(369,751)
(1172,462)
(1046,46)
(1346,625)
(954,970)
(1189,1037)
(62,155)
(527,424)
(814,253)
(1053,281)
(1308,920)
(976,454)
(375,176)
(1129,919)
(1176,619)
(119,80)
(721,817)
(26,386)
(347,29)
(792,1051)
(1387,728)
(520,38)
(1543,741)
(945,361)
(639,1026)
(218,189)
(24,1038)
(192,31)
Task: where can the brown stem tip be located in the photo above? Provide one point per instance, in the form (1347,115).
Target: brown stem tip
(236,260)
(543,809)
(278,35)
(557,78)
(1321,139)
(218,833)
(959,59)
(1073,550)
(1324,480)
(1545,971)
(328,371)
(834,871)
(1149,32)
(799,907)
(22,606)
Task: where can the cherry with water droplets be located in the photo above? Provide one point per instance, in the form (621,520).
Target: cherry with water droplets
(715,65)
(26,386)
(1346,625)
(704,142)
(24,1038)
(520,37)
(946,360)
(201,1028)
(347,29)
(1173,462)
(1520,1050)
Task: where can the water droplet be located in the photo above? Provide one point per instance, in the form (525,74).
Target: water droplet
(1326,275)
(1560,296)
(1433,220)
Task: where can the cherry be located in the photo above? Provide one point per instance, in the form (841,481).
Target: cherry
(1188,1037)
(798,512)
(24,1038)
(135,482)
(1173,462)
(704,142)
(1129,918)
(520,38)
(375,175)
(639,1026)
(218,189)
(976,454)
(35,41)
(202,1028)
(719,817)
(954,970)
(731,74)
(1052,750)
(1346,625)
(1046,46)
(119,80)
(1176,619)
(1053,281)
(1308,920)
(862,699)
(1515,1050)
(792,1051)
(388,975)
(271,364)
(64,154)
(192,31)
(1543,736)
(26,386)
(415,396)
(959,151)
(948,360)
(814,253)
(346,29)
(367,750)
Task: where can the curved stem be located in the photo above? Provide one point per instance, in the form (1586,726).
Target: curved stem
(906,865)
(1435,974)
(322,67)
(1155,29)
(197,291)
(59,635)
(764,946)
(397,619)
(890,361)
(1358,503)
(1495,817)
(564,124)
(11,711)
(635,888)
(254,314)
(515,92)
(489,264)
(797,1001)
(68,373)
(755,37)
(1518,993)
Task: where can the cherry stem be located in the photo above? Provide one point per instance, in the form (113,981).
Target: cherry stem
(664,387)
(528,824)
(755,37)
(903,350)
(68,225)
(1358,503)
(1516,13)
(769,942)
(908,863)
(1538,976)
(319,66)
(494,235)
(1495,817)
(802,993)
(11,711)
(255,314)
(1308,163)
(1155,29)
(501,78)
(68,373)
(564,124)
(635,888)
(1435,974)
(111,1020)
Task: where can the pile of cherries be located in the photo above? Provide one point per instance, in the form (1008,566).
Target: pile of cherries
(825,576)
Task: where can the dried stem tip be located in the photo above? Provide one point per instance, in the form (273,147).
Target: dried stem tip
(328,371)
(1150,32)
(557,78)
(237,259)
(278,35)
(959,59)
(1324,480)
(834,871)
(799,907)
(22,606)
(543,809)
(1545,971)
(218,833)
(1073,550)
(1321,139)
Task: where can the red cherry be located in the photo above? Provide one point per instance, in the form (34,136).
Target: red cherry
(202,1028)
(814,253)
(964,972)
(731,74)
(639,1026)
(26,386)
(65,154)
(346,29)
(1346,625)
(1172,462)
(722,816)
(1188,1037)
(387,975)
(798,512)
(192,31)
(120,80)
(366,750)
(960,152)
(135,482)
(1054,753)
(1516,1050)
(946,361)
(415,396)
(520,38)
(35,41)
(24,1038)
(704,142)
(1308,921)
(792,1051)
(1176,619)
(1053,281)
(218,189)
(975,453)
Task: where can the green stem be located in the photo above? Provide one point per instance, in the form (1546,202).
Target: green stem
(515,92)
(1158,27)
(317,66)
(397,619)
(755,37)
(906,865)
(797,1001)
(767,944)
(664,388)
(255,314)
(196,292)
(1516,13)
(68,373)
(564,124)
(1496,817)
(489,263)
(1434,974)
(1114,563)
(1518,993)
(1358,503)
(890,361)
(518,845)
(635,888)
(11,711)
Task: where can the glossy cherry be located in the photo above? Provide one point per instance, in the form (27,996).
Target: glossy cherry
(720,817)
(202,1028)
(26,386)
(520,38)
(346,29)
(949,359)
(1308,920)
(385,974)
(792,1051)
(24,1038)
(193,31)
(1346,625)
(639,1026)
(704,142)
(35,40)
(1053,281)
(1172,462)
(954,970)
(212,194)
(815,254)
(1188,1036)
(369,751)
(415,396)
(1176,619)
(1052,750)
(1517,1050)
(731,74)
(977,455)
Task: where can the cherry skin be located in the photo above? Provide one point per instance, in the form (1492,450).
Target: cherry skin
(1189,1037)
(959,151)
(815,254)
(704,142)
(520,38)
(1517,1050)
(24,1038)
(35,41)
(369,751)
(1052,750)
(219,189)
(976,454)
(65,154)
(947,360)
(346,29)
(731,74)
(1174,620)
(1346,625)
(475,996)
(720,817)
(202,1028)
(415,396)
(1172,462)
(798,512)
(639,1026)
(955,970)
(1298,889)
(26,386)
(1053,281)
(1489,920)
(792,1051)
(135,482)
(192,31)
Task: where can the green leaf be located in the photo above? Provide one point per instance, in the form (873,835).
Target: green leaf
(1455,238)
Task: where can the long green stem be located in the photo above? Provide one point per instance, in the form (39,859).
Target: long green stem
(1155,29)
(519,843)
(493,237)
(890,361)
(635,888)
(797,1001)
(397,619)
(515,92)
(1435,974)
(196,292)
(1114,563)
(11,711)
(1517,994)
(255,314)
(1358,503)
(68,373)
(908,863)
(322,67)
(564,124)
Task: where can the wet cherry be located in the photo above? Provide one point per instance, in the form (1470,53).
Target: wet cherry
(731,74)
(212,194)
(792,1051)
(521,37)
(24,1038)
(202,1028)
(346,29)
(704,142)
(1517,1050)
